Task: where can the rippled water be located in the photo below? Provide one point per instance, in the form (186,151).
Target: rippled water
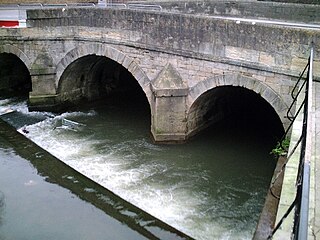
(32,208)
(212,187)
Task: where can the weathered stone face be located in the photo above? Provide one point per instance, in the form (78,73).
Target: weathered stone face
(286,10)
(169,116)
(174,58)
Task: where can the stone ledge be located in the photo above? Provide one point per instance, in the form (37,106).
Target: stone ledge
(43,71)
(169,92)
(168,138)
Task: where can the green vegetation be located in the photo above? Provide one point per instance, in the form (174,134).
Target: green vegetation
(281,148)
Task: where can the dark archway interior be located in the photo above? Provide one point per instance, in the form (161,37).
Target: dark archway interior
(95,78)
(235,108)
(15,78)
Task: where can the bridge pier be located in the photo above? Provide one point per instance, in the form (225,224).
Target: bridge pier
(169,120)
(43,96)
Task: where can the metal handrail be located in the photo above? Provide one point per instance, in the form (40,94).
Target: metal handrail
(144,6)
(292,118)
(290,125)
(29,5)
(301,75)
(300,230)
(45,5)
(301,201)
(150,7)
(116,5)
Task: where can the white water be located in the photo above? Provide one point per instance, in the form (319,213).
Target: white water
(165,181)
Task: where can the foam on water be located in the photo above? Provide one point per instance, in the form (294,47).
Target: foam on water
(12,104)
(141,182)
(171,204)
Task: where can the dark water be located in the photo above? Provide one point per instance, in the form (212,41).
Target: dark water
(212,187)
(32,208)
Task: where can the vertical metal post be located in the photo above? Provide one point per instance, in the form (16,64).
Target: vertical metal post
(303,219)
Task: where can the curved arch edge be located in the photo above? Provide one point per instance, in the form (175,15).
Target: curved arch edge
(109,52)
(7,48)
(240,80)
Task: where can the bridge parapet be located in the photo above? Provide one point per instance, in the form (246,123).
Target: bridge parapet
(247,9)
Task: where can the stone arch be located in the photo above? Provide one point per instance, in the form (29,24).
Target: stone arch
(109,52)
(15,70)
(240,80)
(16,51)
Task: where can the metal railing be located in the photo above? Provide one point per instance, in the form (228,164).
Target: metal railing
(151,7)
(19,11)
(301,201)
(109,4)
(26,6)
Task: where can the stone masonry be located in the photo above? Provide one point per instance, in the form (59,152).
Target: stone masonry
(198,52)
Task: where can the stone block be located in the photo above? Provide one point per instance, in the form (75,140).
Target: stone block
(211,83)
(247,82)
(316,68)
(196,90)
(244,54)
(259,87)
(285,90)
(43,84)
(127,62)
(138,74)
(206,48)
(169,118)
(113,53)
(298,64)
(269,95)
(220,80)
(266,59)
(232,79)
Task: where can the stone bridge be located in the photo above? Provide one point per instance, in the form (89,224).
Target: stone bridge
(194,70)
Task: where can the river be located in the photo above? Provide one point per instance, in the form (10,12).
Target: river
(212,187)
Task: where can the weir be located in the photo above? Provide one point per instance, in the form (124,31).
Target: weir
(170,182)
(56,171)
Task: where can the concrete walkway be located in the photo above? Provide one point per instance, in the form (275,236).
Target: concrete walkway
(316,159)
(289,188)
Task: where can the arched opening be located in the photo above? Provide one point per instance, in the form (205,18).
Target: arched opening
(236,108)
(236,129)
(93,78)
(15,79)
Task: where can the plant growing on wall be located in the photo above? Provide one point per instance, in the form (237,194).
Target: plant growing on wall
(281,149)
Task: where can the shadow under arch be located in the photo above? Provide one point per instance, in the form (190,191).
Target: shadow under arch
(15,78)
(222,96)
(17,52)
(103,51)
